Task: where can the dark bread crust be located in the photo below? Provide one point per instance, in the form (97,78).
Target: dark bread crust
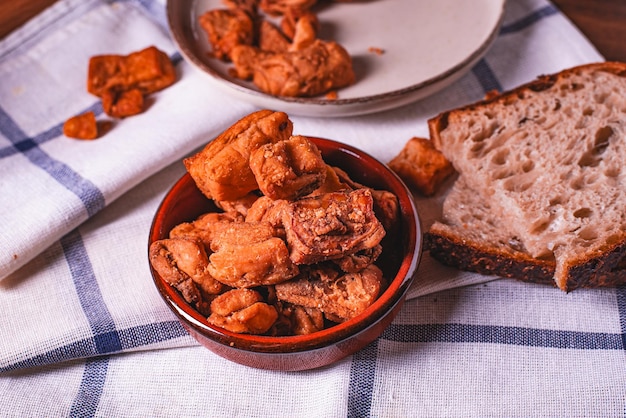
(488,260)
(541,83)
(605,270)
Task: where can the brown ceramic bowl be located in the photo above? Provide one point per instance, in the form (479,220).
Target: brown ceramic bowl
(399,262)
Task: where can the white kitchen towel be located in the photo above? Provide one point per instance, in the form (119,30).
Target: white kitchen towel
(56,183)
(83,331)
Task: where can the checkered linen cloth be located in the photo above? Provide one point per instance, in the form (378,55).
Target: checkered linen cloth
(84,332)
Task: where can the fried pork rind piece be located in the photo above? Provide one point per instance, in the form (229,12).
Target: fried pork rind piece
(247,255)
(313,70)
(271,39)
(268,210)
(205,227)
(292,16)
(227,28)
(305,32)
(340,297)
(241,205)
(288,169)
(184,265)
(386,205)
(249,6)
(242,311)
(353,263)
(222,170)
(121,104)
(83,126)
(148,70)
(332,183)
(331,225)
(296,320)
(280,7)
(421,165)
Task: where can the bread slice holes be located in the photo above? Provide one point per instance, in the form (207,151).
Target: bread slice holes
(612,172)
(577,183)
(540,227)
(583,213)
(588,111)
(476,150)
(592,157)
(528,166)
(500,157)
(502,174)
(516,185)
(588,233)
(600,97)
(557,200)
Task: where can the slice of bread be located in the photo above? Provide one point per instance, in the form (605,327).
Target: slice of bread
(542,180)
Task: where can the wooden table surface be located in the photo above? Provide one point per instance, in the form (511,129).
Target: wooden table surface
(602,21)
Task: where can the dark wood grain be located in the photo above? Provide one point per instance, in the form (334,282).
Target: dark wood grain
(14,13)
(602,21)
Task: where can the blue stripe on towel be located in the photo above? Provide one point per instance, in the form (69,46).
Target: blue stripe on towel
(483,72)
(85,190)
(508,335)
(133,337)
(621,308)
(486,77)
(362,374)
(91,387)
(529,20)
(105,335)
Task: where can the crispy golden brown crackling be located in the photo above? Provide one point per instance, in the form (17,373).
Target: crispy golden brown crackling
(148,70)
(339,296)
(242,311)
(121,104)
(205,227)
(241,233)
(240,206)
(280,7)
(332,183)
(288,169)
(305,32)
(268,210)
(249,6)
(247,255)
(227,28)
(358,261)
(386,205)
(331,225)
(271,39)
(310,71)
(183,264)
(82,126)
(421,165)
(290,19)
(222,170)
(296,320)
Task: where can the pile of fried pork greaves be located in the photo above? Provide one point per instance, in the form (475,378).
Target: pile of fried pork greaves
(293,246)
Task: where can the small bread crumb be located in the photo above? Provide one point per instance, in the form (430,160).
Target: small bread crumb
(376,50)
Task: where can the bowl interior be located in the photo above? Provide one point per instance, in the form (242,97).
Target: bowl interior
(399,259)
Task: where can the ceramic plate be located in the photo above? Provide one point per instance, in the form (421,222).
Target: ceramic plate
(426,46)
